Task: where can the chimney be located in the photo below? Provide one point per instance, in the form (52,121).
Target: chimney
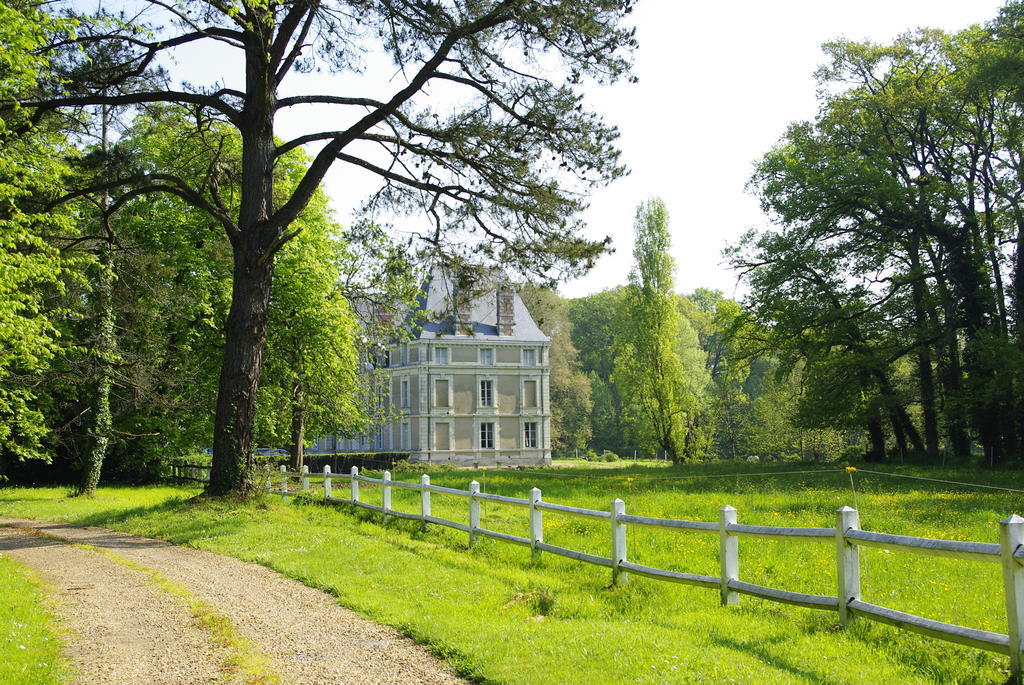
(506,320)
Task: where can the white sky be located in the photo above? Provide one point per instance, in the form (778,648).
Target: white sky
(719,83)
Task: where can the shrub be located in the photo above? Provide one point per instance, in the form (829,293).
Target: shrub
(852,453)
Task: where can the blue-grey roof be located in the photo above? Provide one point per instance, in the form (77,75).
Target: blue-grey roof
(437,312)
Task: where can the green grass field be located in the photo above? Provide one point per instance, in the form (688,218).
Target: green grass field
(499,618)
(29,648)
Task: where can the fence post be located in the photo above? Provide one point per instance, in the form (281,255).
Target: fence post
(536,524)
(327,482)
(847,562)
(728,555)
(619,577)
(1011,537)
(305,477)
(284,479)
(270,480)
(355,483)
(386,496)
(474,512)
(424,498)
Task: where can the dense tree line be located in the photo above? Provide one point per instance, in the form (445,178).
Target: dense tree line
(895,275)
(171,275)
(717,395)
(499,171)
(138,311)
(884,309)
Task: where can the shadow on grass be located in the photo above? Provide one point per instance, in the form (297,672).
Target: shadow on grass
(108,516)
(762,651)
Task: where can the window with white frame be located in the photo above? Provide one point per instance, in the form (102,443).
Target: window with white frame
(486,436)
(487,393)
(529,357)
(441,355)
(405,435)
(530,434)
(405,393)
(441,392)
(442,439)
(486,356)
(530,394)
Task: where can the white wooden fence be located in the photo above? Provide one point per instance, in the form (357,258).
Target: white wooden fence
(847,537)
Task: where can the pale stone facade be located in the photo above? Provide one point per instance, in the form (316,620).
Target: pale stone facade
(472,387)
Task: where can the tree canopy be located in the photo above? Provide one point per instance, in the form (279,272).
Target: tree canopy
(502,171)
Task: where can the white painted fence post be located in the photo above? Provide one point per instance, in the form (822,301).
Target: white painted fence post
(474,512)
(424,498)
(847,562)
(327,481)
(536,524)
(728,555)
(284,479)
(305,477)
(355,483)
(619,577)
(270,479)
(386,496)
(1011,537)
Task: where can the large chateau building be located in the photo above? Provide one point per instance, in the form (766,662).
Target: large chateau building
(469,386)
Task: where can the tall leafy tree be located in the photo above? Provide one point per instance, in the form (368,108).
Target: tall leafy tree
(571,401)
(312,374)
(157,291)
(593,332)
(716,320)
(489,165)
(888,274)
(659,367)
(31,173)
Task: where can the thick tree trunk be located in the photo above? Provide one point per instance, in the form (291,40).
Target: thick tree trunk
(899,433)
(954,405)
(876,439)
(925,375)
(246,334)
(232,468)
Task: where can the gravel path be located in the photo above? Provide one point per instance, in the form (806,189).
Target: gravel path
(125,630)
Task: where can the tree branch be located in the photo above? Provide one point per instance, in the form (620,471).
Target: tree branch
(326,157)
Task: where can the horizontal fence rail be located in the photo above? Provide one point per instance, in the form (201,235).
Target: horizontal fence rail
(184,471)
(847,536)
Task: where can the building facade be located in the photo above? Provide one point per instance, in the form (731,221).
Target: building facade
(471,386)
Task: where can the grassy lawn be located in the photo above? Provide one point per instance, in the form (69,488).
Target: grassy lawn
(498,618)
(29,648)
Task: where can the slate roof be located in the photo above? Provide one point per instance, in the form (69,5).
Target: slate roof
(438,322)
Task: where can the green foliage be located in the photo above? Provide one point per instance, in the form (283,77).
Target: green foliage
(31,173)
(659,367)
(570,390)
(165,279)
(312,379)
(889,278)
(592,334)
